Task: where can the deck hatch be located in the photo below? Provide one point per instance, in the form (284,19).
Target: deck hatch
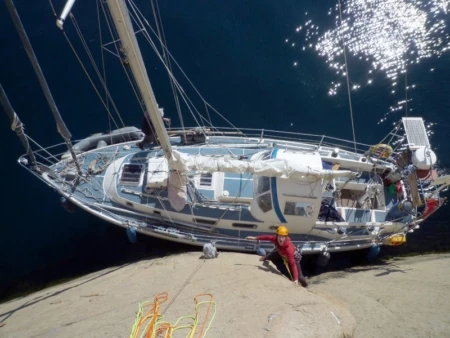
(131,174)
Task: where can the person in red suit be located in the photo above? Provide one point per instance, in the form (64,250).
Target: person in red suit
(285,253)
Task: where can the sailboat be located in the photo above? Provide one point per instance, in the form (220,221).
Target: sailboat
(216,185)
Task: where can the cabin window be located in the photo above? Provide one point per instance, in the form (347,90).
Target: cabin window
(206,180)
(266,155)
(265,202)
(303,209)
(263,185)
(131,174)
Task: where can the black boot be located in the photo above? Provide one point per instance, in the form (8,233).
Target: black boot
(303,282)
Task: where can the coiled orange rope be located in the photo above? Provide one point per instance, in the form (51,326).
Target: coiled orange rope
(152,324)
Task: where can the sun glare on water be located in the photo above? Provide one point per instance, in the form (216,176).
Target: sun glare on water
(385,36)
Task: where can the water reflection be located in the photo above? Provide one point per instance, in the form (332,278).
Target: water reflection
(387,36)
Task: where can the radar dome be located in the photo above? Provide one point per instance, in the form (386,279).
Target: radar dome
(423,158)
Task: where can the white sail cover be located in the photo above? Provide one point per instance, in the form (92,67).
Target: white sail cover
(181,163)
(277,167)
(177,190)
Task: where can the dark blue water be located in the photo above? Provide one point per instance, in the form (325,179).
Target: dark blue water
(235,54)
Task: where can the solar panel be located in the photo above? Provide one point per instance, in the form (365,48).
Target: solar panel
(415,131)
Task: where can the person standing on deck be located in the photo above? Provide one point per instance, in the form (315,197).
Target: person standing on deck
(149,130)
(285,253)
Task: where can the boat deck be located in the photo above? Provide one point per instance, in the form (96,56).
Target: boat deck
(225,198)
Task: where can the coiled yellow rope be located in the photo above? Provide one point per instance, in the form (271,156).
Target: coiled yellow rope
(152,324)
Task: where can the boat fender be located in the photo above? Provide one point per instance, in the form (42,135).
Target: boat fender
(67,205)
(373,253)
(261,252)
(323,259)
(210,251)
(395,240)
(131,234)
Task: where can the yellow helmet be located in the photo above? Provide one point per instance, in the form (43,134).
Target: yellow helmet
(282,231)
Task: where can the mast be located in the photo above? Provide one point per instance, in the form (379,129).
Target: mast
(60,125)
(16,125)
(122,22)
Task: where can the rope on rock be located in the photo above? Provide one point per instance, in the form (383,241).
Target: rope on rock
(149,321)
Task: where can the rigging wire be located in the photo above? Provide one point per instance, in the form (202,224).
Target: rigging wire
(83,41)
(348,80)
(162,38)
(136,9)
(103,63)
(186,99)
(130,77)
(137,19)
(406,92)
(91,58)
(115,41)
